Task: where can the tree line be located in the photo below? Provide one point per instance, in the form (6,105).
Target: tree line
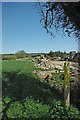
(51,55)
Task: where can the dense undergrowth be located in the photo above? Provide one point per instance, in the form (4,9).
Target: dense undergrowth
(31,109)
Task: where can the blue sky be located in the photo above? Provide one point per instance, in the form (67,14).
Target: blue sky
(22,30)
(0,27)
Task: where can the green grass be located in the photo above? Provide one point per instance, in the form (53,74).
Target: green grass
(0,65)
(19,83)
(17,65)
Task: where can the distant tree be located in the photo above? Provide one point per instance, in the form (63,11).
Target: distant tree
(57,53)
(20,54)
(51,54)
(8,57)
(62,55)
(70,55)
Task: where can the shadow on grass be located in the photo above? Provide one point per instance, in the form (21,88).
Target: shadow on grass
(19,86)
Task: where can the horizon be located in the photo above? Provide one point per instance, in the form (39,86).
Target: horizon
(39,52)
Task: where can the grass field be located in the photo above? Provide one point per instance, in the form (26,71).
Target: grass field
(25,92)
(17,65)
(0,66)
(19,83)
(18,74)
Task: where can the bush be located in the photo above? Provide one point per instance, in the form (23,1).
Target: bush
(15,110)
(9,57)
(20,54)
(59,112)
(29,109)
(73,113)
(34,109)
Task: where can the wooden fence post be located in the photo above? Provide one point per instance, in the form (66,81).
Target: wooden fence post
(67,84)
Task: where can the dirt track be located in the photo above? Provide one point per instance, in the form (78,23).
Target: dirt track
(61,63)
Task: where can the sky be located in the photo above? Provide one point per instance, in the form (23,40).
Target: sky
(0,27)
(22,30)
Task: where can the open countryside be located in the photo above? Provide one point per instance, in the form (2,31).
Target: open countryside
(40,61)
(33,85)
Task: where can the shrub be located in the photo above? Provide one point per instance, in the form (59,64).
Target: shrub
(59,112)
(9,57)
(35,109)
(20,54)
(6,100)
(73,113)
(29,109)
(15,110)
